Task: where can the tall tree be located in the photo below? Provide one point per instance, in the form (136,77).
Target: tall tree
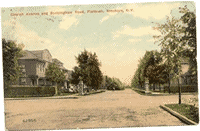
(171,44)
(178,38)
(55,74)
(11,54)
(88,69)
(75,75)
(114,83)
(189,39)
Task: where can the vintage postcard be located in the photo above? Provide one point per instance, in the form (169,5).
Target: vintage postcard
(122,65)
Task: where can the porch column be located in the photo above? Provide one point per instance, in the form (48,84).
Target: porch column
(37,81)
(44,81)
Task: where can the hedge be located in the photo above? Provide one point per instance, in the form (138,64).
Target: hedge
(184,88)
(11,92)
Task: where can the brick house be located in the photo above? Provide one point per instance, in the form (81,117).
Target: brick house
(34,64)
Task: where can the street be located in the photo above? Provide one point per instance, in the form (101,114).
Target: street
(108,109)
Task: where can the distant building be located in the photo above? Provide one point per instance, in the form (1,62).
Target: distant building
(34,64)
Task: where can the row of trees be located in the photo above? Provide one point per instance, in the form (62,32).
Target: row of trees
(112,83)
(88,69)
(177,39)
(151,68)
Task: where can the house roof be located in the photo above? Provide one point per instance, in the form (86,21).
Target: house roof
(56,60)
(28,55)
(37,54)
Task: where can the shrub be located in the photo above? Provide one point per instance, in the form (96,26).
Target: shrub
(28,91)
(184,88)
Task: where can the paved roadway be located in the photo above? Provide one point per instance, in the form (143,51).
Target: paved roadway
(109,109)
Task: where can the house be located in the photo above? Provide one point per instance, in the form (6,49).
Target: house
(186,77)
(34,64)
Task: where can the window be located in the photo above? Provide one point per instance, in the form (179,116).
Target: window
(23,80)
(23,68)
(38,68)
(23,74)
(43,67)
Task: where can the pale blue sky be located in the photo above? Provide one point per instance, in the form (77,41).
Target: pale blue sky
(119,39)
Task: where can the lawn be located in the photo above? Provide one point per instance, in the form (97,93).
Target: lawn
(189,111)
(139,92)
(94,92)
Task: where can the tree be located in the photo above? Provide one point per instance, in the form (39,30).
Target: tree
(113,83)
(75,75)
(55,74)
(189,39)
(88,69)
(150,67)
(171,44)
(178,39)
(11,69)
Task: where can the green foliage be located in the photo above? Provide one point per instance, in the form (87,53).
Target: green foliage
(75,75)
(12,92)
(88,70)
(188,111)
(184,88)
(11,69)
(113,83)
(189,39)
(149,67)
(178,39)
(54,73)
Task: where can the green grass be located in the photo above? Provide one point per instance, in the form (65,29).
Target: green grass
(66,94)
(141,92)
(94,92)
(188,111)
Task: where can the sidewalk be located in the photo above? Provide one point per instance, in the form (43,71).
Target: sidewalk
(74,96)
(152,93)
(183,93)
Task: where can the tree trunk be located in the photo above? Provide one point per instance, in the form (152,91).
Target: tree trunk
(179,91)
(56,89)
(159,87)
(154,86)
(169,85)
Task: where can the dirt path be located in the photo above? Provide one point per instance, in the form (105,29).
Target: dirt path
(109,109)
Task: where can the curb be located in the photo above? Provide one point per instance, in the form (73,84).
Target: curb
(179,116)
(159,94)
(53,97)
(36,98)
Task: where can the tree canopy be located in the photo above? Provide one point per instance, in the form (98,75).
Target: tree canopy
(11,54)
(55,74)
(88,70)
(113,83)
(149,67)
(178,40)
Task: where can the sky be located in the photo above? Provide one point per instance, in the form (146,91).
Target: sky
(119,39)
